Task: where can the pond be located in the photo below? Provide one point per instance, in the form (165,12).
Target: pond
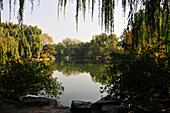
(81,79)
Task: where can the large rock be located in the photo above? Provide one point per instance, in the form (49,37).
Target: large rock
(9,103)
(105,101)
(108,100)
(7,100)
(80,106)
(106,105)
(39,102)
(31,105)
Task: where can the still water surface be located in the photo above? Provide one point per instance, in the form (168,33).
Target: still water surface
(81,80)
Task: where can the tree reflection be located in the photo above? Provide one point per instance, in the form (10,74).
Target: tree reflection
(75,67)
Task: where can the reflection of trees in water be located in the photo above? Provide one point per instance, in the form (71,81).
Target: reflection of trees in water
(75,67)
(18,79)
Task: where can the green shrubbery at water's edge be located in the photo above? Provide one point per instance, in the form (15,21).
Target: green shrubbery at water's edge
(19,78)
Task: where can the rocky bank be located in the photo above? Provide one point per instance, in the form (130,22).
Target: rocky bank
(32,105)
(104,105)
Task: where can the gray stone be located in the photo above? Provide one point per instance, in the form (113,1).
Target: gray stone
(31,105)
(108,100)
(100,105)
(80,106)
(39,102)
(105,101)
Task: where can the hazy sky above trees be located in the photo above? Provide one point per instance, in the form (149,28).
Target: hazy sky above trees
(45,16)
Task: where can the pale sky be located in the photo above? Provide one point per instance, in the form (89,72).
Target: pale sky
(45,17)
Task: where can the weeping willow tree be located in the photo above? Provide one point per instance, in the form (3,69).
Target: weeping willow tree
(141,36)
(16,42)
(8,45)
(8,48)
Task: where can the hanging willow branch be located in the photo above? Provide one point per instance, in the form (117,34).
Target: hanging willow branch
(1,4)
(152,9)
(105,8)
(20,10)
(10,7)
(106,11)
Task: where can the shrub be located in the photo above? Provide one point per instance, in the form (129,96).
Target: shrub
(18,79)
(139,77)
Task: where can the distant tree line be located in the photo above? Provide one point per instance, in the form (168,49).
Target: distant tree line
(101,46)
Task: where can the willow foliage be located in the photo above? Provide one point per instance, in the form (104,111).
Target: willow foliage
(106,10)
(154,13)
(16,42)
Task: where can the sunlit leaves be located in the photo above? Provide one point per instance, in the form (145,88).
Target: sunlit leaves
(142,36)
(49,50)
(102,45)
(24,43)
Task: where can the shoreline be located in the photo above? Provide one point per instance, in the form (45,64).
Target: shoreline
(104,105)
